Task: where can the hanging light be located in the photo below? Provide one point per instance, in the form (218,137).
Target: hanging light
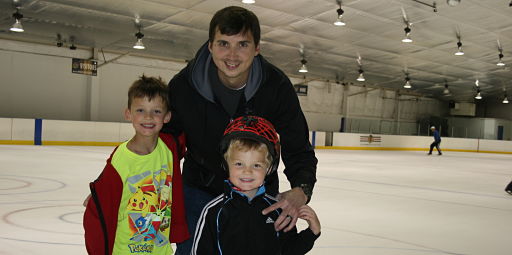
(505,100)
(361,76)
(407,84)
(459,51)
(407,38)
(446,91)
(17,27)
(248,1)
(477,83)
(500,63)
(303,67)
(453,2)
(139,45)
(478,95)
(339,20)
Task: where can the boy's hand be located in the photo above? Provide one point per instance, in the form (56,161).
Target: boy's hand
(308,214)
(86,201)
(290,202)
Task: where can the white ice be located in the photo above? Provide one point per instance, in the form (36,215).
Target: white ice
(369,202)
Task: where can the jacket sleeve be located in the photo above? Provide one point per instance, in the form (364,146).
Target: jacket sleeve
(174,125)
(179,227)
(205,241)
(100,222)
(297,153)
(295,244)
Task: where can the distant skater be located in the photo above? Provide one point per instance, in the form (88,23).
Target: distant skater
(437,141)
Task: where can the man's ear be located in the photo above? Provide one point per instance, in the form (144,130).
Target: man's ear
(127,114)
(210,46)
(167,117)
(257,50)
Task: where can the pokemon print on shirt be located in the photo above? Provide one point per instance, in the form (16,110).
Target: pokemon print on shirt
(145,211)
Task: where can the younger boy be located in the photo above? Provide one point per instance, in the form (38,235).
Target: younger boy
(233,223)
(137,201)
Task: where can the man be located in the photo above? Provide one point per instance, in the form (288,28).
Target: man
(437,141)
(227,79)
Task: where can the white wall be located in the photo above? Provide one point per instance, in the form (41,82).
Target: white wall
(37,82)
(486,128)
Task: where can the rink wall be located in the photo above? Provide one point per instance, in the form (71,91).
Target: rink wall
(92,133)
(360,141)
(63,132)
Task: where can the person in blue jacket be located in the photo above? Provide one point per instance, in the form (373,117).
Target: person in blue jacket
(437,141)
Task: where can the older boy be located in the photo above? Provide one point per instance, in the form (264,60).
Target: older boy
(137,201)
(233,223)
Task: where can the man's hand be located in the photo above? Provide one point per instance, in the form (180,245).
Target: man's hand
(290,202)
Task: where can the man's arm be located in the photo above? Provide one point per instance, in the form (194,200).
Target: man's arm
(298,156)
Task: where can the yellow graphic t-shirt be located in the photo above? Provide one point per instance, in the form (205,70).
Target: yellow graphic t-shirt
(144,216)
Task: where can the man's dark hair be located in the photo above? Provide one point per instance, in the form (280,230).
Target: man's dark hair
(149,87)
(234,19)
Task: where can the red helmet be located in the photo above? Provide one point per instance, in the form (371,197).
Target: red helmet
(256,128)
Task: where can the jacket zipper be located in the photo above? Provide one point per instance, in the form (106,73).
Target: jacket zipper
(100,216)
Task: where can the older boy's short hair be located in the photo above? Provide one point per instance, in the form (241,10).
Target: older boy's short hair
(149,87)
(233,20)
(245,144)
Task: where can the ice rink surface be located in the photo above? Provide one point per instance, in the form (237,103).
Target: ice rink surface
(369,202)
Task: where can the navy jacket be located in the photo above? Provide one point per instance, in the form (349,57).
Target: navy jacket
(232,224)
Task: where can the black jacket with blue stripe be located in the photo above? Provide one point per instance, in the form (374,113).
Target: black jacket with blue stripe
(232,224)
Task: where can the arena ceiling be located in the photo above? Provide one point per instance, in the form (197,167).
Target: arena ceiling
(373,31)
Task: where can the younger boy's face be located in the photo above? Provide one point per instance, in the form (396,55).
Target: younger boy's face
(147,117)
(247,170)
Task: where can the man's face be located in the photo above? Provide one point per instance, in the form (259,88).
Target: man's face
(233,56)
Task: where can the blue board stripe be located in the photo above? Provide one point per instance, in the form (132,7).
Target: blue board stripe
(313,136)
(38,130)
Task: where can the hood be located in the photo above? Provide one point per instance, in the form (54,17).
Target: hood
(198,74)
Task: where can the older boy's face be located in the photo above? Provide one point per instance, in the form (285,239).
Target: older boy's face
(233,56)
(147,116)
(247,170)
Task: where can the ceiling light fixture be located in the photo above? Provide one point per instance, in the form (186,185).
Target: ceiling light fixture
(478,94)
(361,76)
(360,64)
(453,2)
(17,27)
(407,38)
(500,63)
(339,18)
(407,84)
(139,45)
(446,91)
(303,68)
(407,28)
(59,41)
(72,41)
(505,100)
(477,83)
(459,49)
(248,1)
(500,56)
